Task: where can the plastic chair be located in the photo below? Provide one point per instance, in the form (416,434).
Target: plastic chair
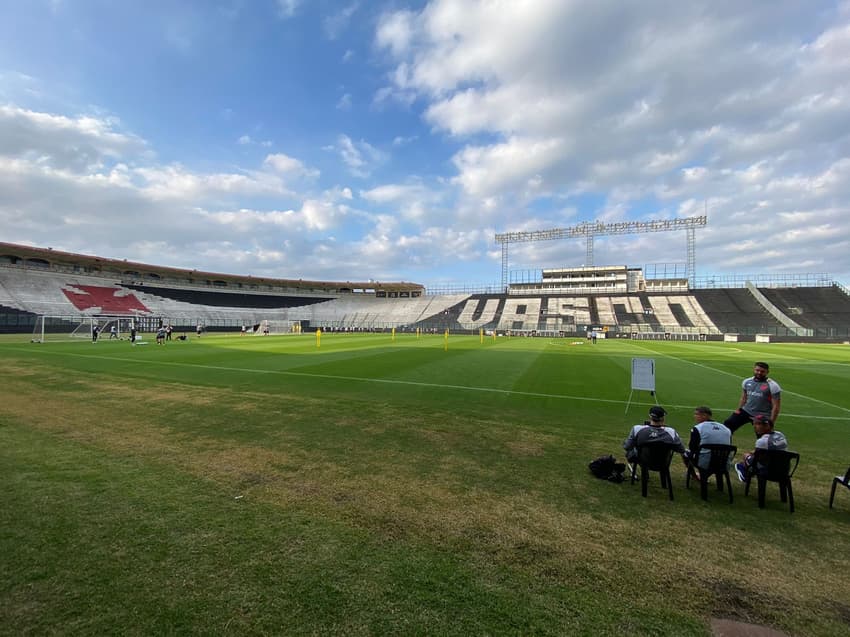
(843,481)
(654,456)
(718,466)
(773,465)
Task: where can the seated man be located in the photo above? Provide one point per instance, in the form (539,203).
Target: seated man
(705,432)
(767,438)
(652,431)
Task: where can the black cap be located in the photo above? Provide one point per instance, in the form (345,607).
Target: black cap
(657,412)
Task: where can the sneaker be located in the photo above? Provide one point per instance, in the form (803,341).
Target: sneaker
(741,470)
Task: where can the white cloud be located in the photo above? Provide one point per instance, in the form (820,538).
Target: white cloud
(360,157)
(412,201)
(483,170)
(247,140)
(401,140)
(314,214)
(161,213)
(344,103)
(176,182)
(77,142)
(285,165)
(287,8)
(335,23)
(395,31)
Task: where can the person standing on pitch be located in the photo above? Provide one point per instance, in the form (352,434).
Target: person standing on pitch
(760,396)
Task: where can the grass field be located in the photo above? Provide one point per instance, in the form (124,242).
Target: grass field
(408,487)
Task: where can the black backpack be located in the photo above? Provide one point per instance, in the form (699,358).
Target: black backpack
(607,468)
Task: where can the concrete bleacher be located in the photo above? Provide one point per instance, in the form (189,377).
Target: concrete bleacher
(479,312)
(814,308)
(36,291)
(520,313)
(665,314)
(56,293)
(369,312)
(61,294)
(696,313)
(605,311)
(108,299)
(736,310)
(6,299)
(636,313)
(564,313)
(681,313)
(32,291)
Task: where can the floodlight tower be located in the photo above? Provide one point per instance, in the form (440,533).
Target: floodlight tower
(590,229)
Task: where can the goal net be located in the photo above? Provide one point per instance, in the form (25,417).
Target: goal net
(267,327)
(64,328)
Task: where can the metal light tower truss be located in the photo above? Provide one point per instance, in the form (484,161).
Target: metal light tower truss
(590,229)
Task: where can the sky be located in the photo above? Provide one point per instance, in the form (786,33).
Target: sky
(391,140)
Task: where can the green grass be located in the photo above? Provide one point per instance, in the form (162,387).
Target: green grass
(371,486)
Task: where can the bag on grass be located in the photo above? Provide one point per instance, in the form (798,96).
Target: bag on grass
(607,468)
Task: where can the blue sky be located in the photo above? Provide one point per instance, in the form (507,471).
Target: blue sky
(392,140)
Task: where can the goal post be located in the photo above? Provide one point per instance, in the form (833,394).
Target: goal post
(270,326)
(69,327)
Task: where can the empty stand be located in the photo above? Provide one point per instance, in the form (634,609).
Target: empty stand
(26,292)
(605,311)
(735,310)
(521,314)
(814,308)
(107,300)
(479,312)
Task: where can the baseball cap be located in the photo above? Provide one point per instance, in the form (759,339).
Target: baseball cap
(657,412)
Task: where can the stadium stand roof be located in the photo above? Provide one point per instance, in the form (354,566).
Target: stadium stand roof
(17,254)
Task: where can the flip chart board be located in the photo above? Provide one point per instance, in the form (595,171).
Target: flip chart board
(643,374)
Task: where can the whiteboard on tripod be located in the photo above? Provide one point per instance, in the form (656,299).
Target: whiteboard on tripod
(643,374)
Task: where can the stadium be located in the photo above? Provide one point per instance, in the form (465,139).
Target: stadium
(373,458)
(50,292)
(425,317)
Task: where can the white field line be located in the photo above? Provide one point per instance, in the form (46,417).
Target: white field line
(725,373)
(390,381)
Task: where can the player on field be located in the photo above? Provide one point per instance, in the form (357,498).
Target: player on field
(760,396)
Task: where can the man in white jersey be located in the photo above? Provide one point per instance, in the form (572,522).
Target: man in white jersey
(760,396)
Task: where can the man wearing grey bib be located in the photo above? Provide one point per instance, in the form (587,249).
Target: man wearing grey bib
(760,396)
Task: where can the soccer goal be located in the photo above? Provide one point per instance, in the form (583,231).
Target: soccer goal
(64,328)
(267,327)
